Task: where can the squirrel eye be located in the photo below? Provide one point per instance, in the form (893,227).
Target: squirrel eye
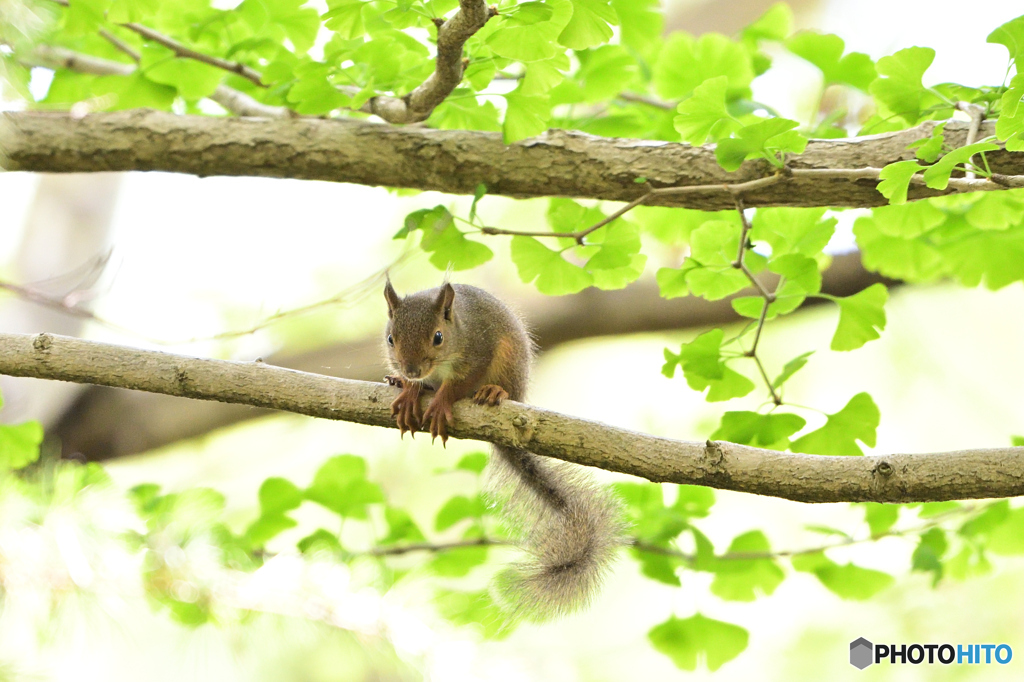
(391,340)
(438,338)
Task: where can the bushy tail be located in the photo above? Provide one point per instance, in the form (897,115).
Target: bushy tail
(569,526)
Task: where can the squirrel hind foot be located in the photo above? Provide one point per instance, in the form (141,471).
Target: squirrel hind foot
(490,394)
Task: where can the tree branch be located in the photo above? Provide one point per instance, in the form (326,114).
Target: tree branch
(839,172)
(235,101)
(995,472)
(451,36)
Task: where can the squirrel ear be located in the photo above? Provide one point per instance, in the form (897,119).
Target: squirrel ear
(445,300)
(393,299)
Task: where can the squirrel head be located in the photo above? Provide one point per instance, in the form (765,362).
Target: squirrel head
(418,334)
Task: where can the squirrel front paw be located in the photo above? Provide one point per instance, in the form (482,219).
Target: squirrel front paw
(439,415)
(490,394)
(406,407)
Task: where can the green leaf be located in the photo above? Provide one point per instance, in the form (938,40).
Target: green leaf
(704,115)
(1010,35)
(991,517)
(1010,125)
(937,177)
(801,278)
(895,180)
(900,88)
(764,139)
(861,317)
(673,226)
(401,527)
(685,62)
(996,211)
(704,368)
(133,92)
(313,94)
(912,260)
(124,11)
(792,230)
(541,76)
(553,274)
(19,444)
(320,540)
(266,527)
(525,116)
(345,18)
(1017,441)
(475,609)
(84,16)
(531,42)
(458,562)
(880,517)
(278,495)
(660,567)
(341,486)
(775,24)
(641,23)
(694,500)
(431,220)
(909,220)
(709,271)
(746,579)
(858,420)
(652,522)
(758,430)
(462,111)
(447,244)
(604,72)
(791,368)
(474,461)
(458,509)
(853,582)
(930,148)
(930,510)
(927,556)
(452,249)
(997,258)
(589,25)
(1007,538)
(688,640)
(826,52)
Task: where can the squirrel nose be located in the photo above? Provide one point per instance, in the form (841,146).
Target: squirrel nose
(412,371)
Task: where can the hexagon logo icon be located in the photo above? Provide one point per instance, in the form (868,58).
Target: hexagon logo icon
(861,653)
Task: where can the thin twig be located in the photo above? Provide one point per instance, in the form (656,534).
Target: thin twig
(186,52)
(395,550)
(179,49)
(977,114)
(235,101)
(120,45)
(846,542)
(644,99)
(768,297)
(735,189)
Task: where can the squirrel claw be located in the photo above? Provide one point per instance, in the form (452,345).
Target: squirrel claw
(439,415)
(490,394)
(394,381)
(406,408)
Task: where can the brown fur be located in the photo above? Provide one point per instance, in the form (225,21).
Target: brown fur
(568,526)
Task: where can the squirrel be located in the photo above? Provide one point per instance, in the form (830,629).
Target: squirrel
(463,342)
